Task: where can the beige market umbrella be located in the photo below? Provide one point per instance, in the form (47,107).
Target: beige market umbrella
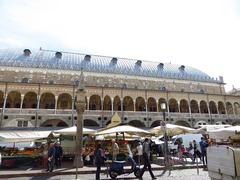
(224,133)
(131,130)
(72,131)
(205,129)
(171,130)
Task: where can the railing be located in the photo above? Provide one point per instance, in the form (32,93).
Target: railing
(136,114)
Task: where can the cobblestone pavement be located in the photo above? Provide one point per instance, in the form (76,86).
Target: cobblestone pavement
(186,174)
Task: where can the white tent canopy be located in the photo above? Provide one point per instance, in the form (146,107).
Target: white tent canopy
(225,133)
(72,131)
(172,129)
(23,136)
(211,127)
(123,129)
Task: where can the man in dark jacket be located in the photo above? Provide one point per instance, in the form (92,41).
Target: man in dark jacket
(51,157)
(203,146)
(99,160)
(58,155)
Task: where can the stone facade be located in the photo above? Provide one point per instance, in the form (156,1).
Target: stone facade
(35,97)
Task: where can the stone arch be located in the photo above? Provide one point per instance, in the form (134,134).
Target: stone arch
(1,99)
(90,122)
(95,102)
(229,108)
(107,103)
(140,104)
(184,108)
(203,107)
(128,104)
(47,101)
(182,123)
(117,103)
(236,108)
(30,100)
(173,105)
(64,101)
(54,123)
(221,108)
(13,100)
(194,106)
(213,107)
(155,123)
(152,105)
(137,123)
(160,101)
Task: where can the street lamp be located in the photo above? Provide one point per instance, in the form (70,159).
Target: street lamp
(163,126)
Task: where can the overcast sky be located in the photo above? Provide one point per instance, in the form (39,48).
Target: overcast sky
(204,34)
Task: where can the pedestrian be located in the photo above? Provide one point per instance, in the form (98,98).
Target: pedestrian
(196,151)
(203,145)
(51,157)
(139,153)
(146,156)
(58,155)
(99,159)
(115,150)
(190,151)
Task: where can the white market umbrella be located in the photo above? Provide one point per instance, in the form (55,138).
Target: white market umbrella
(124,129)
(172,129)
(72,131)
(23,136)
(205,129)
(225,133)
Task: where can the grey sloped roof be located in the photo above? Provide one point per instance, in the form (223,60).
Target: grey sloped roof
(45,59)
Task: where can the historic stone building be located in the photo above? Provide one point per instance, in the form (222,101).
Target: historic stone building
(38,89)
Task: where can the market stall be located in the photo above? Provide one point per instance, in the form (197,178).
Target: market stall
(14,156)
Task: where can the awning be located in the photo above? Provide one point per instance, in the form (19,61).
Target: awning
(23,136)
(124,129)
(225,133)
(72,131)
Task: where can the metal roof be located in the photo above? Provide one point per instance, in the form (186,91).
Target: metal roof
(46,59)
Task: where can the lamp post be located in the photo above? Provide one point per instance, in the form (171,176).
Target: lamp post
(80,107)
(163,126)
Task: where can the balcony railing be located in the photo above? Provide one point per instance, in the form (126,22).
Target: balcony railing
(137,114)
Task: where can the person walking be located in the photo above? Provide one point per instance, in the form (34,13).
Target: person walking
(58,155)
(203,146)
(99,159)
(196,151)
(115,150)
(51,157)
(139,153)
(146,156)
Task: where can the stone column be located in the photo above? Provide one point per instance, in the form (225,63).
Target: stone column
(73,99)
(80,106)
(22,96)
(56,102)
(112,101)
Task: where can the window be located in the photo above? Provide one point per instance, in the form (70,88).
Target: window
(22,124)
(19,124)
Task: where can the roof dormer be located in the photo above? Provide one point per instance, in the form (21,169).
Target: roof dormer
(26,52)
(160,66)
(182,68)
(139,63)
(87,58)
(58,55)
(114,61)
